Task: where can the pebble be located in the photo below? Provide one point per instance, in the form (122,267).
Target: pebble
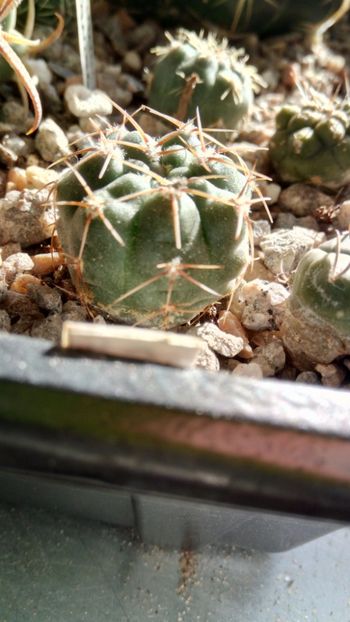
(47,298)
(19,146)
(39,68)
(343,216)
(20,305)
(229,323)
(51,141)
(221,342)
(284,248)
(39,177)
(21,282)
(83,102)
(45,263)
(16,264)
(270,357)
(9,249)
(332,375)
(5,320)
(286,220)
(132,61)
(48,328)
(303,200)
(23,218)
(73,311)
(257,302)
(207,359)
(308,377)
(248,370)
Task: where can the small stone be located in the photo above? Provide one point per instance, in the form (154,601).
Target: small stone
(207,359)
(48,328)
(73,311)
(46,263)
(132,61)
(18,145)
(83,102)
(284,248)
(5,320)
(303,200)
(51,141)
(47,298)
(19,305)
(221,342)
(229,323)
(24,218)
(343,216)
(261,228)
(39,177)
(39,68)
(16,179)
(248,370)
(271,357)
(257,302)
(332,375)
(308,377)
(16,264)
(21,282)
(14,114)
(9,249)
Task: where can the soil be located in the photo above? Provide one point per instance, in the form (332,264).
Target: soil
(36,293)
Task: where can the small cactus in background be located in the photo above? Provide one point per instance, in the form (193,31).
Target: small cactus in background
(205,73)
(316,325)
(154,229)
(264,17)
(312,143)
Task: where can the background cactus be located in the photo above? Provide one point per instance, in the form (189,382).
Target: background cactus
(265,17)
(316,326)
(312,143)
(205,73)
(154,230)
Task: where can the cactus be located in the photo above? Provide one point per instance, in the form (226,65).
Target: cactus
(265,17)
(154,229)
(312,142)
(316,325)
(205,73)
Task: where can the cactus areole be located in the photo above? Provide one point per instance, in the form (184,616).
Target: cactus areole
(154,229)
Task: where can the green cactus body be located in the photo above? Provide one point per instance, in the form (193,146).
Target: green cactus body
(317,323)
(265,17)
(312,143)
(161,231)
(201,72)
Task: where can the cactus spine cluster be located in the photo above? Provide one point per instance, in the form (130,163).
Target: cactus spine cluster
(312,142)
(154,229)
(195,71)
(316,326)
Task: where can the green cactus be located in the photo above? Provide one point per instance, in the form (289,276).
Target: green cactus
(265,17)
(316,326)
(312,142)
(154,229)
(205,73)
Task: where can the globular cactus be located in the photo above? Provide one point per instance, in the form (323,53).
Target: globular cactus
(154,229)
(264,17)
(205,73)
(316,325)
(312,143)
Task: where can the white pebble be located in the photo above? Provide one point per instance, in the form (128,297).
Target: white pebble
(257,303)
(284,248)
(248,370)
(51,141)
(83,102)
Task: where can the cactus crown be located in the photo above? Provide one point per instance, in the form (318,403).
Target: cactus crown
(155,229)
